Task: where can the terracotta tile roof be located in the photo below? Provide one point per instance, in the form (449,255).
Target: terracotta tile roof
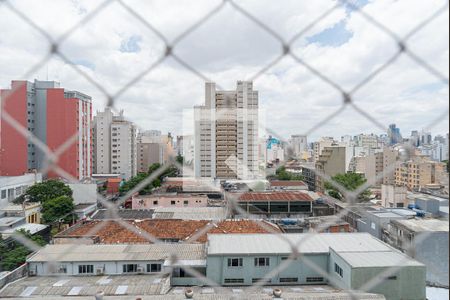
(111,232)
(287,183)
(275,196)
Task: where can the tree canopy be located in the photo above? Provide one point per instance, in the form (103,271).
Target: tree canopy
(135,180)
(351,181)
(14,254)
(57,208)
(46,190)
(282,174)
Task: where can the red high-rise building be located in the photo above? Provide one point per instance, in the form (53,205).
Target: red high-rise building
(54,116)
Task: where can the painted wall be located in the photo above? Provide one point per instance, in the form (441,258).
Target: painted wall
(62,123)
(13,145)
(143,202)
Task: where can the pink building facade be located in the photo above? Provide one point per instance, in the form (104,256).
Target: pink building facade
(168,200)
(54,116)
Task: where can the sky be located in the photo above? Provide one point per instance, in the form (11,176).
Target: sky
(114,47)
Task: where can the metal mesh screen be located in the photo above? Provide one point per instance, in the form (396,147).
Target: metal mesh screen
(348,99)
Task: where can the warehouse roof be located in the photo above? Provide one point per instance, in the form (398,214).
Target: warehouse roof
(421,225)
(281,243)
(80,253)
(275,196)
(365,259)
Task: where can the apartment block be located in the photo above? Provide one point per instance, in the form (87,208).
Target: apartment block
(226,133)
(55,116)
(416,173)
(330,163)
(115,144)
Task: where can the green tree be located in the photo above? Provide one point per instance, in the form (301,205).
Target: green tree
(46,190)
(58,208)
(282,174)
(14,254)
(180,159)
(350,181)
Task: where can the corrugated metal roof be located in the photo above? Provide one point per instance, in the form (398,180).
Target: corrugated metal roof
(308,243)
(287,183)
(80,253)
(275,196)
(378,259)
(421,225)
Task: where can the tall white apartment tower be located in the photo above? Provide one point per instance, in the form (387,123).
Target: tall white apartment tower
(226,133)
(115,149)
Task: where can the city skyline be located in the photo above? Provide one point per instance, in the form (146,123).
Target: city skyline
(298,99)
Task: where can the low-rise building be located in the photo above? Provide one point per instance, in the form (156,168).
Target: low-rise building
(376,222)
(393,196)
(12,187)
(168,200)
(425,240)
(268,203)
(350,260)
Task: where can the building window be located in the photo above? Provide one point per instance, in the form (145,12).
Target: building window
(185,202)
(265,280)
(233,280)
(289,279)
(153,268)
(392,278)
(235,262)
(3,194)
(130,268)
(338,269)
(85,269)
(155,202)
(314,279)
(262,261)
(172,202)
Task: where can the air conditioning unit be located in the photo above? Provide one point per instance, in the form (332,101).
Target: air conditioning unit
(31,273)
(99,271)
(140,270)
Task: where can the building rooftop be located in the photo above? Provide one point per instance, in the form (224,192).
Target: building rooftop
(125,214)
(287,183)
(364,259)
(422,225)
(190,213)
(156,287)
(123,252)
(275,196)
(281,244)
(110,232)
(10,221)
(31,227)
(55,287)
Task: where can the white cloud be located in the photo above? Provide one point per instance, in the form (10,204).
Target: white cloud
(229,47)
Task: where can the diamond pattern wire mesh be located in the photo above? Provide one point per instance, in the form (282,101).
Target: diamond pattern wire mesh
(285,46)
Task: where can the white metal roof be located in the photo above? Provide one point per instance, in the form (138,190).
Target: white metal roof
(378,259)
(190,213)
(280,244)
(421,225)
(93,253)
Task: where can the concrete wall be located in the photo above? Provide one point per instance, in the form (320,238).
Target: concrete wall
(409,282)
(432,251)
(218,270)
(142,202)
(84,192)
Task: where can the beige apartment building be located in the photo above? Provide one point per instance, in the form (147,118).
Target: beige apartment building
(331,162)
(226,133)
(417,172)
(371,167)
(115,149)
